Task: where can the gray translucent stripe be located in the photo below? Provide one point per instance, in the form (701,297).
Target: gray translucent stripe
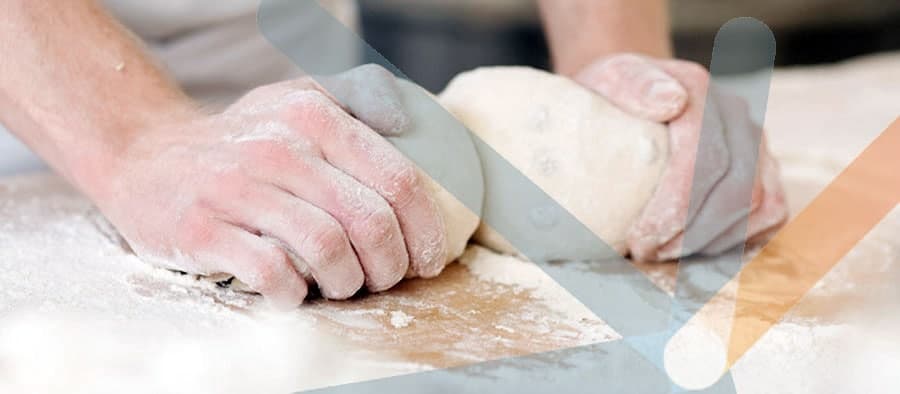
(742,63)
(532,221)
(513,205)
(612,367)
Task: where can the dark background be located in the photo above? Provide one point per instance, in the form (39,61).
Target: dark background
(431,46)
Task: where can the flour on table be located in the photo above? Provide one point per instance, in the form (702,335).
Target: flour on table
(80,314)
(399,319)
(525,275)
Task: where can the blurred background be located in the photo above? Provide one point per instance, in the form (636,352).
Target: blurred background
(433,40)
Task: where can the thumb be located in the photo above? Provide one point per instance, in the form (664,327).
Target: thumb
(636,85)
(370,93)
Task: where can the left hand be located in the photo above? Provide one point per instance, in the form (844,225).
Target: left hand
(704,188)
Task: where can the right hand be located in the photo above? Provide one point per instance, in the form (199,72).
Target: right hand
(721,187)
(284,174)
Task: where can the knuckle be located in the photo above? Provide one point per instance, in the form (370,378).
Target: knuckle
(377,228)
(621,64)
(232,185)
(402,184)
(695,71)
(326,244)
(272,152)
(310,110)
(357,139)
(269,157)
(266,274)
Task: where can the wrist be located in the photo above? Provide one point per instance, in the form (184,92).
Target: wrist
(580,31)
(93,165)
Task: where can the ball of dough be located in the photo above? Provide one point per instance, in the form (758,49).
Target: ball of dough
(595,160)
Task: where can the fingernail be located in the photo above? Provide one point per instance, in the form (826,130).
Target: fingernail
(666,95)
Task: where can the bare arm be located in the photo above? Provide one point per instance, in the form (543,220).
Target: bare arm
(621,49)
(581,31)
(282,185)
(75,86)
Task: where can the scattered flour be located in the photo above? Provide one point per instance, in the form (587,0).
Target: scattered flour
(524,275)
(79,314)
(399,319)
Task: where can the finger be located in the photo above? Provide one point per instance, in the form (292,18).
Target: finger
(261,265)
(697,161)
(762,223)
(767,215)
(636,85)
(370,93)
(365,216)
(314,240)
(374,162)
(723,213)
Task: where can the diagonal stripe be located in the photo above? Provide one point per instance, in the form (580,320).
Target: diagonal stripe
(808,247)
(745,47)
(610,286)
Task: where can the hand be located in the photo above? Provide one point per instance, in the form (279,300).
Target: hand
(717,172)
(282,179)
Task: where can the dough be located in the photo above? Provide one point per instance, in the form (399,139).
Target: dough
(459,222)
(595,160)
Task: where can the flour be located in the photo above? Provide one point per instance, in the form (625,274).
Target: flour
(399,319)
(77,312)
(80,314)
(526,276)
(267,131)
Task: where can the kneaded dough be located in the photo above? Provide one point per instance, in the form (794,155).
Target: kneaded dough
(597,161)
(459,221)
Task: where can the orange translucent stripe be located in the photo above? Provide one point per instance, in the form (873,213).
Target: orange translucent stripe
(820,236)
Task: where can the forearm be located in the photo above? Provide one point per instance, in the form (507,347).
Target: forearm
(76,87)
(580,31)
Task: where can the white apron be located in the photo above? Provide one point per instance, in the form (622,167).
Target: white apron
(212,47)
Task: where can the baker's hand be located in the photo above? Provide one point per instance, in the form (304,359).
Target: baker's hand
(283,178)
(717,172)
